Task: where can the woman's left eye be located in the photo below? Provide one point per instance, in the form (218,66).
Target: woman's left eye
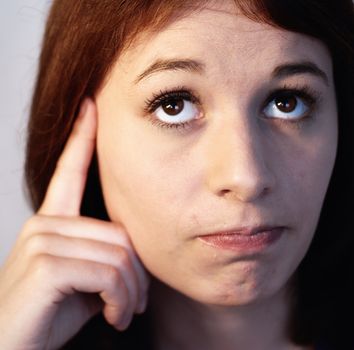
(288,105)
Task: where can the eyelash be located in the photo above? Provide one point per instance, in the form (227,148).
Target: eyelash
(309,96)
(152,104)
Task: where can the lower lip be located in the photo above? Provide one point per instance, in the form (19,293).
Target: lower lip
(238,242)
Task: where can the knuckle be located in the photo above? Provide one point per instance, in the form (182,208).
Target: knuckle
(124,237)
(43,266)
(33,224)
(118,230)
(121,256)
(114,278)
(36,244)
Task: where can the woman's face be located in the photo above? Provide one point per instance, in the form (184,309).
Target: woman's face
(216,124)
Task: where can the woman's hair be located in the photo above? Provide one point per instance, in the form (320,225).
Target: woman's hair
(83,40)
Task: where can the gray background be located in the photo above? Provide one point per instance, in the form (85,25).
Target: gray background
(21,27)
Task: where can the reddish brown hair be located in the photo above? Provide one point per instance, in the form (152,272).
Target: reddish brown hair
(83,39)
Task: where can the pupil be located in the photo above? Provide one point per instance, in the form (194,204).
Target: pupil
(286,104)
(173,106)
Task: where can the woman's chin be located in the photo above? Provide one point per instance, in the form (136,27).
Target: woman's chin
(216,295)
(229,298)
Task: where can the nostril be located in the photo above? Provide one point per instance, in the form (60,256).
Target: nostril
(223,192)
(245,195)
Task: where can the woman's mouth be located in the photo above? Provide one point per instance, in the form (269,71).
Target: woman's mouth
(245,240)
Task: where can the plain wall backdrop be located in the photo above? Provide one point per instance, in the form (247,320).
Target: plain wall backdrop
(21,28)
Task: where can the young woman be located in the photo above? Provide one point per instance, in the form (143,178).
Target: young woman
(191,162)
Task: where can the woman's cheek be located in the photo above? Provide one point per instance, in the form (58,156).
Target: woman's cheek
(311,173)
(143,189)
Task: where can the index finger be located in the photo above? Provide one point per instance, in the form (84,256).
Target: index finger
(66,187)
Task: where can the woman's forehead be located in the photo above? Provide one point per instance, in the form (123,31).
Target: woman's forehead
(223,40)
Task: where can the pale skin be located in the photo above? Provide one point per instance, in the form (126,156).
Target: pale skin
(59,254)
(232,166)
(164,187)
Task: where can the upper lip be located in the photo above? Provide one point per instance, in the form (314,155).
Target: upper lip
(245,230)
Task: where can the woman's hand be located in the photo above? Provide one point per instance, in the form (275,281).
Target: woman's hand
(65,268)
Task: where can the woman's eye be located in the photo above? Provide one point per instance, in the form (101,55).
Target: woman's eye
(176,110)
(287,106)
(173,106)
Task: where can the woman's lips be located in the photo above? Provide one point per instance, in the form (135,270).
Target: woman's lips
(245,240)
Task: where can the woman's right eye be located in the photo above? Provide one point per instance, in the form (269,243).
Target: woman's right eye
(174,109)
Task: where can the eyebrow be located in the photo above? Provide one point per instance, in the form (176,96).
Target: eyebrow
(194,66)
(296,68)
(188,65)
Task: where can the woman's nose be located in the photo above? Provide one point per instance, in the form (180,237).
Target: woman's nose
(238,163)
